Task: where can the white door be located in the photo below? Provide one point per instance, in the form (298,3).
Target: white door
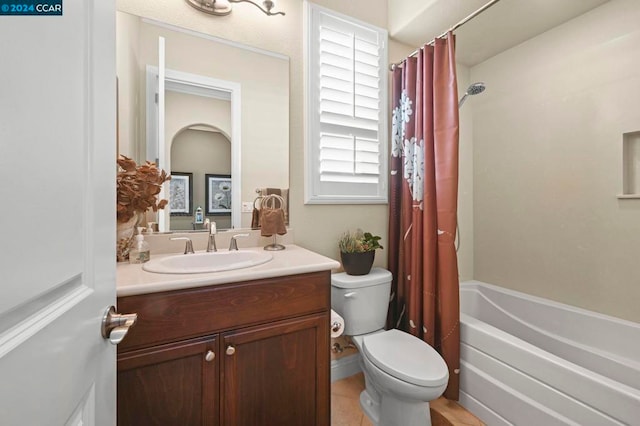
(57,213)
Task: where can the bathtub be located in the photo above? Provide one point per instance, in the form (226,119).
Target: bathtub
(531,361)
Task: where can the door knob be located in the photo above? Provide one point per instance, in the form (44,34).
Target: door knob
(210,356)
(115,326)
(231,350)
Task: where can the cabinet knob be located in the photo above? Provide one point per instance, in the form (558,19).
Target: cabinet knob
(231,350)
(210,356)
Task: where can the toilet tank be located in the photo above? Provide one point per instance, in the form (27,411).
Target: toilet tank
(362,300)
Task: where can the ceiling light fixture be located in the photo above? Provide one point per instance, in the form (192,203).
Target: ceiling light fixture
(223,7)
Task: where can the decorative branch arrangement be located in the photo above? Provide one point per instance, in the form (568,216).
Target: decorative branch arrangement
(138,188)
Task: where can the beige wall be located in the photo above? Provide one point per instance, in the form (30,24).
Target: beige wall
(128,71)
(182,111)
(200,152)
(316,227)
(547,138)
(465,181)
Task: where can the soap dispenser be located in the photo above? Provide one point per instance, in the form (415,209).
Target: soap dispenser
(199,217)
(140,252)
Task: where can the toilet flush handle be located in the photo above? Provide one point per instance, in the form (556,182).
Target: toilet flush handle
(350,294)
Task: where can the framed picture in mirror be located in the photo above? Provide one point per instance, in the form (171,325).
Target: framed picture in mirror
(218,194)
(181,194)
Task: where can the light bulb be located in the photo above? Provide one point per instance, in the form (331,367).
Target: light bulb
(269,4)
(221,4)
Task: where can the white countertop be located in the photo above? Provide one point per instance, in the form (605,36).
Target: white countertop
(131,279)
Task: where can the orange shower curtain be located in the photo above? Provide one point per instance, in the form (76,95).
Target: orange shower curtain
(423,202)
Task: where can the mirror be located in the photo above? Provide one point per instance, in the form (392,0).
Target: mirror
(192,104)
(226,115)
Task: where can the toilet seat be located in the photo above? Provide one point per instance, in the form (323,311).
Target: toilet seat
(406,357)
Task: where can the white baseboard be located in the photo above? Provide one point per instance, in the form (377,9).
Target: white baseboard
(345,367)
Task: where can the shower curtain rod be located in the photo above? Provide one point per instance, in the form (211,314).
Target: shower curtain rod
(392,66)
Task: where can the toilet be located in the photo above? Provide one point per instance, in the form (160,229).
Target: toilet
(402,373)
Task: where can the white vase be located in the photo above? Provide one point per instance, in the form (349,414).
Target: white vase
(124,235)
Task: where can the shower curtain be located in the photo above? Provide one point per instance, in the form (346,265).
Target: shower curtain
(423,202)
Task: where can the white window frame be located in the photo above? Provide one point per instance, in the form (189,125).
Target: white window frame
(315,192)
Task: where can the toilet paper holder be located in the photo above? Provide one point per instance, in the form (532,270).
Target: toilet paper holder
(336,324)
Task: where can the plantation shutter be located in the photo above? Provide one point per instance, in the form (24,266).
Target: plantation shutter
(347,111)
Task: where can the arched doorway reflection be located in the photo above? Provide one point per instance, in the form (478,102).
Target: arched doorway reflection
(197,150)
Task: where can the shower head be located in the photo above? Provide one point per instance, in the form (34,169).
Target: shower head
(474,89)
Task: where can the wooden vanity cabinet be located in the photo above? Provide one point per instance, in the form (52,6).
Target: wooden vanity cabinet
(251,353)
(159,385)
(273,378)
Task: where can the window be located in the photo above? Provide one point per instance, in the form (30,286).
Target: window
(346,92)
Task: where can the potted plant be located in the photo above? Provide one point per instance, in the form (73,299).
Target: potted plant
(357,251)
(137,191)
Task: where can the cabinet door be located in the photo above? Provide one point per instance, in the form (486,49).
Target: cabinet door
(277,374)
(174,384)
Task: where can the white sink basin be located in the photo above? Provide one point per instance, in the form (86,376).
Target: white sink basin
(199,263)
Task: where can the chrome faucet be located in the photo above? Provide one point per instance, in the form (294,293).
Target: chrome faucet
(233,245)
(211,244)
(188,247)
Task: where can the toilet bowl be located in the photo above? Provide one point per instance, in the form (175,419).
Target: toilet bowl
(402,372)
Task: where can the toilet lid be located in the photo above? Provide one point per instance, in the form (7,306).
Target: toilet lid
(406,357)
(377,276)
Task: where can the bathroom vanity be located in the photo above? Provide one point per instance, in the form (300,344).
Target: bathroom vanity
(245,347)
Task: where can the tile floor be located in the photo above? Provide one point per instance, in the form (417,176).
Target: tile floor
(345,407)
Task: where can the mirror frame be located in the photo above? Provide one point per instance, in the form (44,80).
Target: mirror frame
(199,85)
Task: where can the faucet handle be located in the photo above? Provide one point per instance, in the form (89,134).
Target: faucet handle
(188,247)
(211,241)
(233,244)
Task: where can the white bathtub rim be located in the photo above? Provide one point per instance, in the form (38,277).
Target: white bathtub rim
(527,358)
(619,359)
(505,376)
(481,410)
(557,361)
(532,407)
(475,284)
(617,400)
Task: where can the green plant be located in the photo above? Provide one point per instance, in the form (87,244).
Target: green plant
(358,242)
